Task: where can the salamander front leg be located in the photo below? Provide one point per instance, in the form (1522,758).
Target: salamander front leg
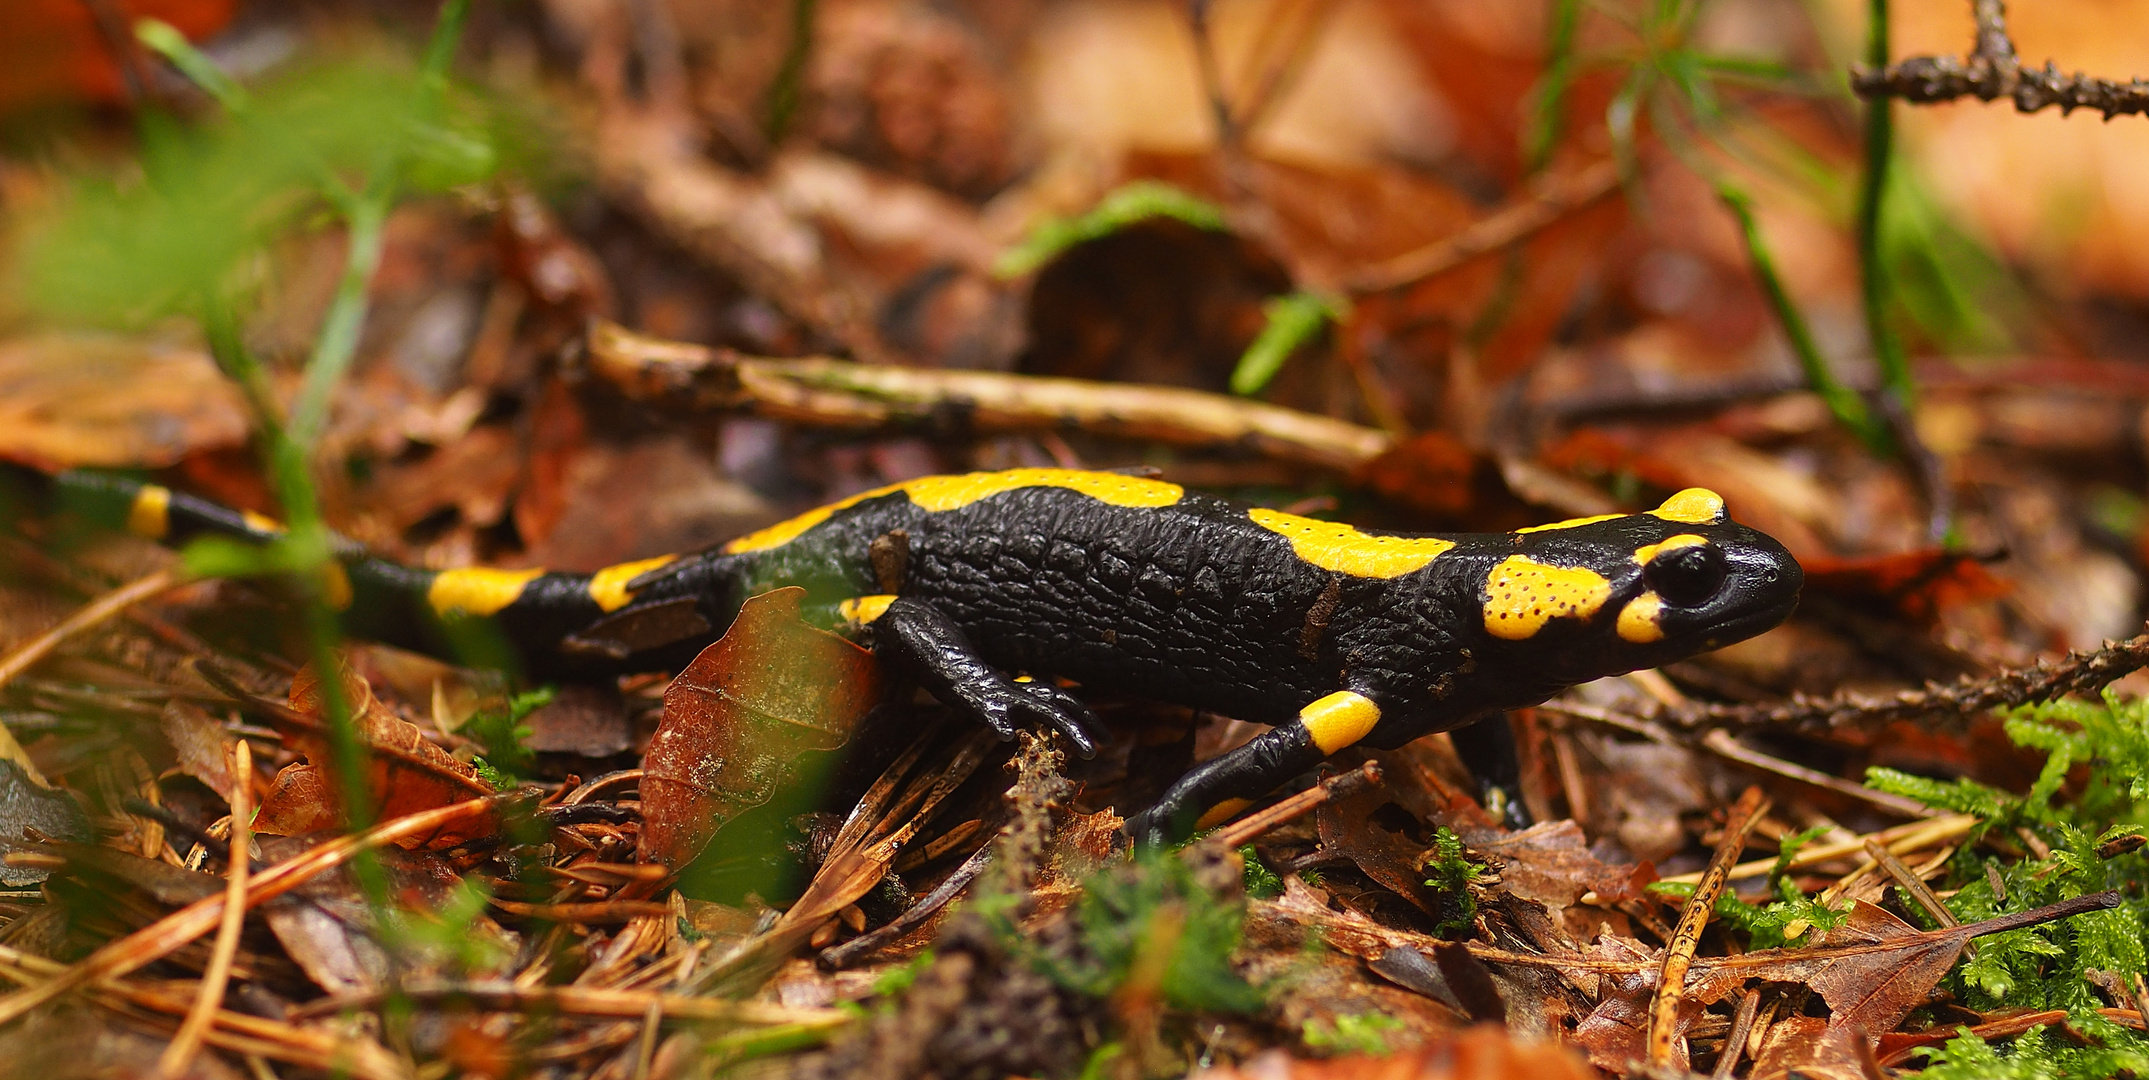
(1487,749)
(1253,770)
(932,647)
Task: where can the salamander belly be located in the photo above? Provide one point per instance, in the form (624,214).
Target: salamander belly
(1170,603)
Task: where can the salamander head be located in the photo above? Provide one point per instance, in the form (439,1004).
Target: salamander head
(1611,594)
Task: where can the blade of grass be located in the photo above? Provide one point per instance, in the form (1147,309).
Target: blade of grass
(784,91)
(1548,111)
(1872,197)
(1848,407)
(1292,320)
(166,41)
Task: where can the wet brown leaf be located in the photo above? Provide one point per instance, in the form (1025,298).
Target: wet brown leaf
(771,689)
(1550,862)
(53,51)
(1433,471)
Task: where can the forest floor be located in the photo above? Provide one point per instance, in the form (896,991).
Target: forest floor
(576,283)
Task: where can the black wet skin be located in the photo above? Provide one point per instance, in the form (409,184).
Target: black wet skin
(1197,605)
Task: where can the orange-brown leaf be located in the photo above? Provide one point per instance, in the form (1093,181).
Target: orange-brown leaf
(405,772)
(736,719)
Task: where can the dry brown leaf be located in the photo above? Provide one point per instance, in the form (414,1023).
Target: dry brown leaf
(97,399)
(199,743)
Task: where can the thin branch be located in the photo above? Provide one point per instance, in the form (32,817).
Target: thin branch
(838,393)
(1245,830)
(1992,71)
(174,931)
(1953,705)
(1558,197)
(1679,954)
(1724,745)
(178,1057)
(89,615)
(1735,1041)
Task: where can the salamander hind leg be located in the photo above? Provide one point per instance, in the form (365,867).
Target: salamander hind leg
(930,646)
(1253,770)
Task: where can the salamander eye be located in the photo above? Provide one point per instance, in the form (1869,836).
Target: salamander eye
(1687,576)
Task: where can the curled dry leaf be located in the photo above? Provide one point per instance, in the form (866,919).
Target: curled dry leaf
(771,689)
(198,745)
(405,773)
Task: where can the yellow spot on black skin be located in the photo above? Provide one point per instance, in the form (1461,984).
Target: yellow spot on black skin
(1334,546)
(1571,523)
(608,587)
(1646,552)
(1522,595)
(1222,812)
(1640,620)
(150,516)
(336,586)
(937,494)
(1340,719)
(261,523)
(477,590)
(862,610)
(1694,506)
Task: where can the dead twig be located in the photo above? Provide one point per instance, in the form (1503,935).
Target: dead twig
(1558,197)
(1735,1040)
(1967,699)
(1246,829)
(1679,954)
(836,957)
(584,1001)
(233,1031)
(1992,70)
(838,393)
(1911,883)
(89,615)
(179,1054)
(174,931)
(1724,745)
(1915,836)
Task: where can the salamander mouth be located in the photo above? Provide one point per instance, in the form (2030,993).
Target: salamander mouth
(1751,624)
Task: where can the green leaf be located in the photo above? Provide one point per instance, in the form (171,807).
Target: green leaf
(501,735)
(217,194)
(1293,319)
(1123,206)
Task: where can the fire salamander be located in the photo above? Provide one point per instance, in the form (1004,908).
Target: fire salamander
(1126,585)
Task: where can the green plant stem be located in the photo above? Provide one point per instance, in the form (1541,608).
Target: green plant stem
(166,41)
(1872,196)
(1549,109)
(1844,402)
(338,340)
(783,97)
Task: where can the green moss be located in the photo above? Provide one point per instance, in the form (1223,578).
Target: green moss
(2044,967)
(1355,1033)
(1451,874)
